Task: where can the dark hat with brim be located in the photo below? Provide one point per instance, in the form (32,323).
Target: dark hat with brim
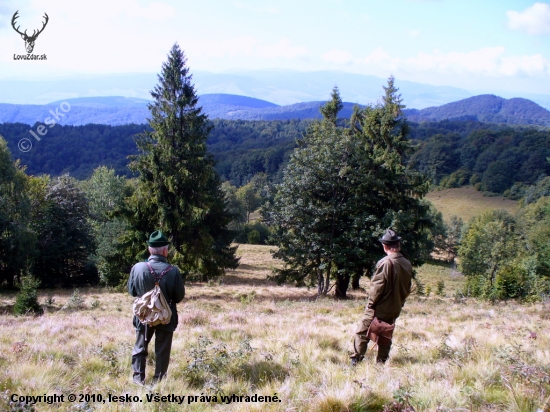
(157,239)
(390,238)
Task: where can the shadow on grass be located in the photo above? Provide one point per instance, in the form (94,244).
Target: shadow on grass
(403,359)
(440,263)
(278,296)
(261,372)
(237,279)
(6,309)
(248,298)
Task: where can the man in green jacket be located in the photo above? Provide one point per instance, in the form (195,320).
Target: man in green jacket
(172,286)
(390,287)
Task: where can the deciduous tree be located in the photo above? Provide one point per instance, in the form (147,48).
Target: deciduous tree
(65,237)
(16,240)
(341,189)
(105,193)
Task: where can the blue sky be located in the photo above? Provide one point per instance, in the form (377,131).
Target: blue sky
(475,45)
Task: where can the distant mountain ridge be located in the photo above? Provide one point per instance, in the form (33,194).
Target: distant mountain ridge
(486,108)
(282,87)
(279,86)
(116,110)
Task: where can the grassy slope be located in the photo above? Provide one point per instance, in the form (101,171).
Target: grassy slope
(466,202)
(447,355)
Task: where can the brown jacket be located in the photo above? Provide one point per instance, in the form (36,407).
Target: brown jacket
(387,295)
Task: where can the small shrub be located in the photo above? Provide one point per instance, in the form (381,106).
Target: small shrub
(211,364)
(248,299)
(253,237)
(440,288)
(419,287)
(401,403)
(50,300)
(75,302)
(110,357)
(256,233)
(27,299)
(456,179)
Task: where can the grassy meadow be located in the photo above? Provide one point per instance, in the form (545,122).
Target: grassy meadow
(248,336)
(466,202)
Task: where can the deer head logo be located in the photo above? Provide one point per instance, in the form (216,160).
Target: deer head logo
(29,40)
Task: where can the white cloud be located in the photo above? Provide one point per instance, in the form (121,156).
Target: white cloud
(533,20)
(380,58)
(338,56)
(526,65)
(487,62)
(282,48)
(102,10)
(237,46)
(483,61)
(245,46)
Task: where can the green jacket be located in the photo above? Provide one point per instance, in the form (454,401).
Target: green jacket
(142,281)
(388,294)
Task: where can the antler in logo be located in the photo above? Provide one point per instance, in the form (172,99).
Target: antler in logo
(29,40)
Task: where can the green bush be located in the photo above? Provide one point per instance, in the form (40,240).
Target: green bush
(27,299)
(477,286)
(456,179)
(420,289)
(210,364)
(253,237)
(511,282)
(440,288)
(256,233)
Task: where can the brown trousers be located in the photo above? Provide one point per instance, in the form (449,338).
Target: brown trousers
(361,341)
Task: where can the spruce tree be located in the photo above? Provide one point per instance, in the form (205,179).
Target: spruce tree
(27,298)
(179,190)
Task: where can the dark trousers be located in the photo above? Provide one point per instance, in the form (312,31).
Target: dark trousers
(361,341)
(163,346)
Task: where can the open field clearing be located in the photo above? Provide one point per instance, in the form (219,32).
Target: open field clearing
(247,336)
(466,202)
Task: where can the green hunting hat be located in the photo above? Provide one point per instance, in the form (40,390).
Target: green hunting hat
(389,238)
(157,239)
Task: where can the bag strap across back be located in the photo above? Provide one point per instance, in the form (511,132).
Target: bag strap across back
(157,276)
(392,275)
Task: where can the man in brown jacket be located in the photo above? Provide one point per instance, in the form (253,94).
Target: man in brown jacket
(390,287)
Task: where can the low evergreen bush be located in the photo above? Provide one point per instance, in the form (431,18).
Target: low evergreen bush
(27,299)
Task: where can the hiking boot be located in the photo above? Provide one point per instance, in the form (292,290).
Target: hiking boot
(138,381)
(355,360)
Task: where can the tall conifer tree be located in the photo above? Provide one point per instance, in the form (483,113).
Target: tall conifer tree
(179,190)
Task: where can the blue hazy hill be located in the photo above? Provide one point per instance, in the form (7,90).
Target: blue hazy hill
(210,100)
(486,108)
(117,110)
(105,101)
